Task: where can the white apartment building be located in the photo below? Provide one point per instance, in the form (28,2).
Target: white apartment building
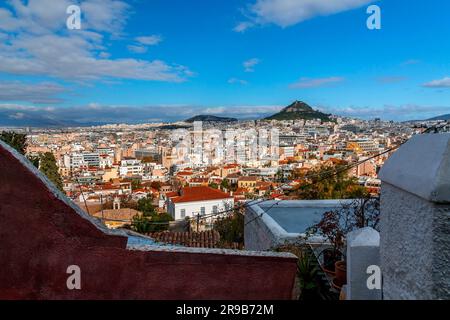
(193,201)
(74,161)
(106,161)
(92,159)
(131,167)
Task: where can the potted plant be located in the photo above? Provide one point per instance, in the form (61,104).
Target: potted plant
(329,227)
(334,226)
(307,272)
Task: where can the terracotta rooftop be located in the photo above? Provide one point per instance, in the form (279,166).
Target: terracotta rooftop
(204,239)
(250,178)
(184,173)
(125,214)
(189,194)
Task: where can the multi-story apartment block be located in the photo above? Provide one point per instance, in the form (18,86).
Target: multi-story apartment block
(130,167)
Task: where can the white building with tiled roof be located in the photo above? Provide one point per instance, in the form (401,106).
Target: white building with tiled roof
(193,201)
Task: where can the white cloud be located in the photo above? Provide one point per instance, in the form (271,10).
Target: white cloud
(393,112)
(440,83)
(314,83)
(286,13)
(44,92)
(242,26)
(149,40)
(105,15)
(104,55)
(143,42)
(17,115)
(250,64)
(41,45)
(43,16)
(137,49)
(95,112)
(235,80)
(98,113)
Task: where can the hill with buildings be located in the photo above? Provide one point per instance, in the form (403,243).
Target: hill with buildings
(442,117)
(210,118)
(299,110)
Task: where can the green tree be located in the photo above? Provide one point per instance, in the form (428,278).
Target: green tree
(145,205)
(136,184)
(329,182)
(214,185)
(225,184)
(34,160)
(47,165)
(16,140)
(150,220)
(45,162)
(231,229)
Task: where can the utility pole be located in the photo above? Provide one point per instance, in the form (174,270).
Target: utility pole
(101,203)
(198,220)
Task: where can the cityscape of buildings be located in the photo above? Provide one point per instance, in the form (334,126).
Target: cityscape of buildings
(156,150)
(105,167)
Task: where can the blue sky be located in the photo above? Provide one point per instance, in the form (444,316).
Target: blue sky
(140,61)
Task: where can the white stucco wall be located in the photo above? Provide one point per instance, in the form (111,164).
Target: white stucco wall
(264,233)
(415,220)
(415,246)
(193,208)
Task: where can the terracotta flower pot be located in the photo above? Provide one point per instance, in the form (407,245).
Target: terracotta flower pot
(341,273)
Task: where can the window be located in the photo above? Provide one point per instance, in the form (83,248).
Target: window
(202,211)
(215,209)
(183,213)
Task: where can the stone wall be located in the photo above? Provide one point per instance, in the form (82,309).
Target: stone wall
(415,246)
(415,220)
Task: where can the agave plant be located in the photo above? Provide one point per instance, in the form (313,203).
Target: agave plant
(307,272)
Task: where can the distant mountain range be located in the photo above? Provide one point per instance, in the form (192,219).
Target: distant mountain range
(41,122)
(210,118)
(443,117)
(299,110)
(295,111)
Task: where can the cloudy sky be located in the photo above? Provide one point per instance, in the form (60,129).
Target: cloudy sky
(165,60)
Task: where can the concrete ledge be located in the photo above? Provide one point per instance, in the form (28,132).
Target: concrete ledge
(422,167)
(264,232)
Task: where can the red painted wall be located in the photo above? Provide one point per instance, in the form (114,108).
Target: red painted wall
(40,236)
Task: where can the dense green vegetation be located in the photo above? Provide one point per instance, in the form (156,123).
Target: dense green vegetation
(45,162)
(150,220)
(328,182)
(16,140)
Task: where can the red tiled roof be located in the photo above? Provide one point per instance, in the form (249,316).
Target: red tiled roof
(172,194)
(139,190)
(231,166)
(189,194)
(184,173)
(204,239)
(249,178)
